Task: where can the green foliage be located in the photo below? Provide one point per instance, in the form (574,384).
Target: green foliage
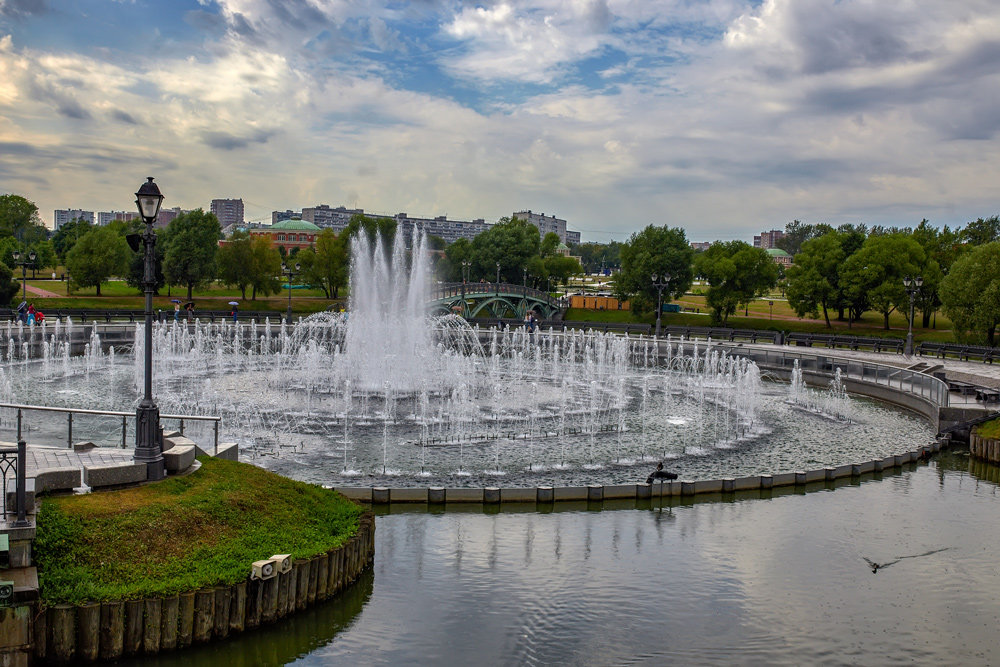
(66,236)
(183,533)
(9,287)
(234,261)
(19,218)
(96,257)
(796,234)
(872,278)
(737,273)
(512,243)
(265,268)
(990,429)
(654,251)
(595,256)
(980,231)
(326,264)
(812,281)
(192,242)
(549,244)
(970,294)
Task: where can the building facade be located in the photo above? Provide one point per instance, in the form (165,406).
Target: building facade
(64,215)
(228,211)
(288,234)
(325,216)
(545,223)
(767,240)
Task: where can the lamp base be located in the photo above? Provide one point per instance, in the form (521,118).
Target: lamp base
(148,441)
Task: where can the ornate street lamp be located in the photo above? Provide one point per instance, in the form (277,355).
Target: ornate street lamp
(148,446)
(660,283)
(288,271)
(498,274)
(30,261)
(466,265)
(912,286)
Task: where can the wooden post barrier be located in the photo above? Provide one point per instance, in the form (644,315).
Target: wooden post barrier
(269,599)
(204,615)
(168,622)
(132,642)
(220,619)
(151,629)
(112,631)
(322,575)
(238,608)
(301,584)
(185,619)
(255,603)
(313,579)
(62,623)
(88,628)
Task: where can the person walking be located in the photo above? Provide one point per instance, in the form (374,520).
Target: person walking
(177,312)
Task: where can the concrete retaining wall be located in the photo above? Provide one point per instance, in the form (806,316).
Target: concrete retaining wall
(381,495)
(110,630)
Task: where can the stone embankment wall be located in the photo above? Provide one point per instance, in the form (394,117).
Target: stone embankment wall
(987,449)
(109,630)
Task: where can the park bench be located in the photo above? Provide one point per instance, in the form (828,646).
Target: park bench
(963,388)
(987,395)
(960,351)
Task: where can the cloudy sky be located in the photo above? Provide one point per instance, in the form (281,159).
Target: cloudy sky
(724,117)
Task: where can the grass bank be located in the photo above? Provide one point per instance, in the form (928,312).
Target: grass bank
(990,429)
(182,534)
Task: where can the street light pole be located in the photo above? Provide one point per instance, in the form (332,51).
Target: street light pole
(465,278)
(660,282)
(287,270)
(912,286)
(148,446)
(498,274)
(24,270)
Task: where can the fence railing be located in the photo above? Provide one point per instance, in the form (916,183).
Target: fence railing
(12,462)
(125,416)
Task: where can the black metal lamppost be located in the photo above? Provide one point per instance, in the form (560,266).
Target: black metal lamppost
(30,261)
(466,265)
(288,271)
(912,286)
(148,447)
(660,282)
(498,274)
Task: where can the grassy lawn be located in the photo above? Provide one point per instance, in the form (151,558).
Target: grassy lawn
(183,533)
(990,429)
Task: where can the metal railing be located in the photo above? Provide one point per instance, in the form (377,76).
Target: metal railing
(453,290)
(125,416)
(12,460)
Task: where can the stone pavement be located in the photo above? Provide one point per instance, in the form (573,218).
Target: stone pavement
(43,457)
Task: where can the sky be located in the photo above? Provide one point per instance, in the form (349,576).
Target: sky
(722,117)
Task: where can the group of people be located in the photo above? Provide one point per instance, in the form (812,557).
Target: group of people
(188,311)
(27,314)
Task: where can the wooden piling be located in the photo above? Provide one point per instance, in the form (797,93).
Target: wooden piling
(204,615)
(132,642)
(185,619)
(322,575)
(285,588)
(238,607)
(269,599)
(168,623)
(255,603)
(221,617)
(301,584)
(88,627)
(40,634)
(112,632)
(151,630)
(312,581)
(62,626)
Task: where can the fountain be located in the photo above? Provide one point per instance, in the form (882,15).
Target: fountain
(385,395)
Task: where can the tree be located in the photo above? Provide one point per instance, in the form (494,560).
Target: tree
(234,262)
(266,265)
(68,234)
(795,235)
(875,273)
(97,256)
(19,218)
(654,251)
(511,242)
(597,256)
(450,268)
(9,286)
(737,273)
(192,242)
(981,232)
(561,268)
(812,280)
(326,263)
(944,247)
(970,294)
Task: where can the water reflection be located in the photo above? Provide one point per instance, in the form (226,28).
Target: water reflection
(778,579)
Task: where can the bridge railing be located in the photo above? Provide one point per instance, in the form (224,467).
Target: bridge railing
(454,290)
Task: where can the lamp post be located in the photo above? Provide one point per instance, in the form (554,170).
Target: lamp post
(498,274)
(289,272)
(148,446)
(30,261)
(912,286)
(660,282)
(465,278)
(770,310)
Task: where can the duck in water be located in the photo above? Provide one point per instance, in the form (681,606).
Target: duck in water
(660,474)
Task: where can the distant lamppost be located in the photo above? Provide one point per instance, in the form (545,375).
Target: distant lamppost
(289,272)
(30,261)
(912,286)
(525,283)
(147,415)
(770,310)
(465,278)
(498,273)
(660,282)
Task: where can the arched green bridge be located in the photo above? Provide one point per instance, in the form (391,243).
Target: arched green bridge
(492,300)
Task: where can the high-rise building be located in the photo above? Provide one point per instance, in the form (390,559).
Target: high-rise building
(64,215)
(548,223)
(325,216)
(228,211)
(288,214)
(767,240)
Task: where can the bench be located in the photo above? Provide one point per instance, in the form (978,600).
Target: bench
(987,395)
(960,351)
